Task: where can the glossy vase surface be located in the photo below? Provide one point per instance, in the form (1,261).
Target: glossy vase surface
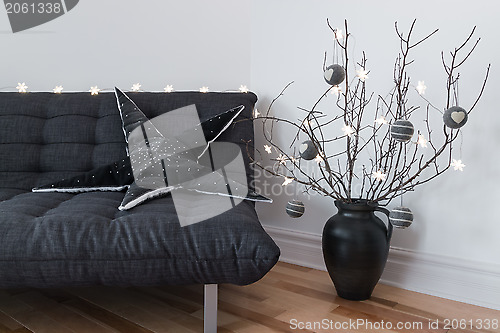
(355,248)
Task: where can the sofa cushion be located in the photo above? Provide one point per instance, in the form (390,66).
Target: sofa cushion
(64,239)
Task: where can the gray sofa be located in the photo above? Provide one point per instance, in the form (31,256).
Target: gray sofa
(59,239)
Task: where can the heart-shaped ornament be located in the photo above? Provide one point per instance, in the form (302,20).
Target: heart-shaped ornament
(328,74)
(457,116)
(303,148)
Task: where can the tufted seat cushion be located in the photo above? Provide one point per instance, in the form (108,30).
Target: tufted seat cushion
(64,239)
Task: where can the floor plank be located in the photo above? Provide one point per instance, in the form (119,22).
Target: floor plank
(288,299)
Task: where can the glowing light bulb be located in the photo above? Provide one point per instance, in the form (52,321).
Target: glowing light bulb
(94,91)
(22,87)
(287,181)
(362,74)
(243,89)
(338,34)
(204,89)
(381,120)
(58,89)
(336,90)
(268,149)
(281,159)
(457,165)
(348,130)
(136,87)
(318,158)
(169,88)
(421,87)
(422,141)
(378,175)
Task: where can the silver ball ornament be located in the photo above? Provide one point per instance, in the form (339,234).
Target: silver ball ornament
(455,117)
(334,74)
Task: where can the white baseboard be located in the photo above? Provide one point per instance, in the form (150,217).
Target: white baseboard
(448,277)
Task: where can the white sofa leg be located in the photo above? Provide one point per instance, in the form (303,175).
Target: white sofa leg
(210,314)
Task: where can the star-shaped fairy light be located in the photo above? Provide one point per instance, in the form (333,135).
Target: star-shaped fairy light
(362,74)
(268,149)
(348,130)
(243,89)
(318,158)
(336,90)
(287,181)
(204,89)
(421,87)
(22,87)
(169,88)
(281,159)
(256,113)
(338,34)
(422,141)
(379,175)
(136,87)
(94,90)
(457,165)
(58,89)
(381,120)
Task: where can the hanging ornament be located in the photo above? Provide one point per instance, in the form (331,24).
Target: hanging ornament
(295,208)
(401,217)
(307,150)
(402,130)
(455,117)
(334,74)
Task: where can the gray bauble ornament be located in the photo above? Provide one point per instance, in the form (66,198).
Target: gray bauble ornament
(334,74)
(307,150)
(401,217)
(455,117)
(295,208)
(402,130)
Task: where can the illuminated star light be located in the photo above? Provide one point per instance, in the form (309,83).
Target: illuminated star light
(169,88)
(336,90)
(58,89)
(287,181)
(281,159)
(422,141)
(378,175)
(94,91)
(457,165)
(243,89)
(338,34)
(318,158)
(348,130)
(22,87)
(136,87)
(362,74)
(204,89)
(268,149)
(256,113)
(421,87)
(381,120)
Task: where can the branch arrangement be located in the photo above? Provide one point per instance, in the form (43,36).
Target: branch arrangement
(372,159)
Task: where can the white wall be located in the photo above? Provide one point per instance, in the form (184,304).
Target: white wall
(188,44)
(456,215)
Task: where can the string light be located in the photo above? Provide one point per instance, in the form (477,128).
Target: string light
(457,165)
(94,91)
(336,90)
(348,130)
(256,113)
(381,120)
(281,159)
(378,175)
(136,87)
(204,89)
(287,181)
(362,74)
(58,89)
(421,87)
(169,88)
(338,34)
(268,149)
(22,87)
(318,158)
(422,141)
(243,89)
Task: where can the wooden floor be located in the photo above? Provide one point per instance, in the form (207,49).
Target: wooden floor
(287,297)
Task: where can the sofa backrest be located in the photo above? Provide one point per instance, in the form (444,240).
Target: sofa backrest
(45,137)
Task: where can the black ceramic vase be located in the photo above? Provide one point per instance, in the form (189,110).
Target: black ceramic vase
(355,248)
